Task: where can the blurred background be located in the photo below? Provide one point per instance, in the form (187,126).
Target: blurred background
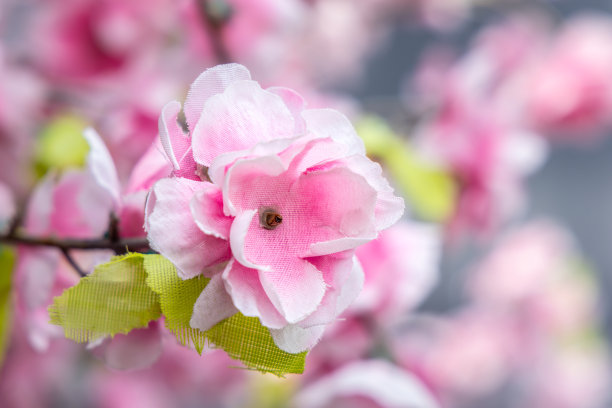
(491,117)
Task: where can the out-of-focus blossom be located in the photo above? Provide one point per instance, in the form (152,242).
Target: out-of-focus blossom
(22,95)
(84,40)
(291,195)
(569,92)
(7,208)
(400,268)
(374,383)
(463,357)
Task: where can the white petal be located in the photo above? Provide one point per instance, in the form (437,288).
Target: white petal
(213,305)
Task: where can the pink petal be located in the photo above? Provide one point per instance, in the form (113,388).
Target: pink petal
(238,234)
(333,124)
(101,166)
(36,271)
(389,208)
(170,135)
(213,305)
(295,288)
(207,211)
(238,119)
(248,295)
(81,207)
(296,104)
(210,82)
(250,183)
(173,232)
(136,350)
(295,339)
(7,208)
(151,167)
(40,207)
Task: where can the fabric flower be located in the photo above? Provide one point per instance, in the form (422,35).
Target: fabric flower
(280,193)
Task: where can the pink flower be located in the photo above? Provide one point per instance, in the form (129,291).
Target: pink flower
(291,194)
(570,91)
(400,268)
(369,383)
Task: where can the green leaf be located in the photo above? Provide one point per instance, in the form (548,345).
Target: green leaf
(243,338)
(114,299)
(7,262)
(61,145)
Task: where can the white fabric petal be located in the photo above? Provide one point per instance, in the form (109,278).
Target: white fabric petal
(169,113)
(249,297)
(210,82)
(238,119)
(331,123)
(351,288)
(172,231)
(337,245)
(295,339)
(212,306)
(101,165)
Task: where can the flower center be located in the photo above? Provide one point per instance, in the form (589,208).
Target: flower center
(270,219)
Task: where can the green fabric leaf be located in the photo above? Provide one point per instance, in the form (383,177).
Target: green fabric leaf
(243,338)
(61,145)
(7,262)
(114,299)
(431,190)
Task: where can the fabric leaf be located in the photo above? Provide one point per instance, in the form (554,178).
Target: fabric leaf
(243,338)
(114,299)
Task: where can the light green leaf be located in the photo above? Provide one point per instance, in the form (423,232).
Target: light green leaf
(114,299)
(7,262)
(243,338)
(61,144)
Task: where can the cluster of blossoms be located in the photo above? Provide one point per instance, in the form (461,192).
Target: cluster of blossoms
(268,199)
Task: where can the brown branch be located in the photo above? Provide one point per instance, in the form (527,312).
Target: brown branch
(120,246)
(215,14)
(72,262)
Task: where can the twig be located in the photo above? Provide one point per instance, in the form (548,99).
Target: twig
(72,262)
(122,245)
(215,13)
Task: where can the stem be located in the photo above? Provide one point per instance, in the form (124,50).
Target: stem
(127,244)
(72,262)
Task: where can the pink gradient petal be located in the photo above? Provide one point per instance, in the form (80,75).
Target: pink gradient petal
(333,124)
(173,232)
(211,82)
(101,166)
(295,339)
(207,211)
(170,135)
(7,208)
(296,104)
(248,295)
(250,183)
(295,288)
(36,271)
(212,306)
(238,234)
(152,166)
(225,125)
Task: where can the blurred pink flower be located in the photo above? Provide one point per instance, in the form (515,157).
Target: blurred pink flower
(569,91)
(369,383)
(400,267)
(291,194)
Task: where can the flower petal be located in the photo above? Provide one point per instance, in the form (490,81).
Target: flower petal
(101,165)
(207,211)
(331,123)
(210,82)
(238,119)
(138,349)
(248,295)
(213,305)
(295,339)
(295,288)
(238,234)
(173,232)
